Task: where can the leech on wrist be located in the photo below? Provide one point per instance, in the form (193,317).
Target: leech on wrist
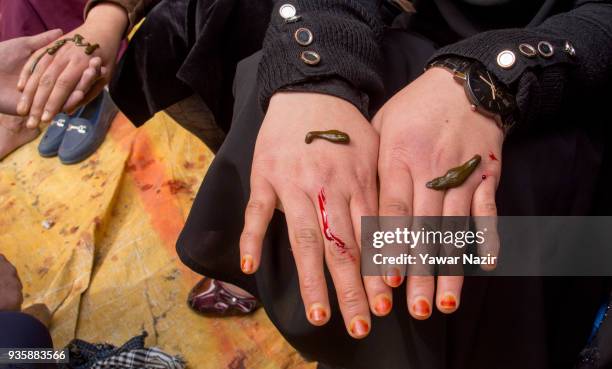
(332,135)
(455,176)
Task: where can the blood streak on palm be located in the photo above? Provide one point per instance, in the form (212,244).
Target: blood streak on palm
(492,156)
(327,232)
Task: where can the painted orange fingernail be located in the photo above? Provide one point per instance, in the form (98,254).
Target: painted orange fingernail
(393,277)
(359,328)
(383,305)
(247,264)
(448,301)
(421,308)
(317,314)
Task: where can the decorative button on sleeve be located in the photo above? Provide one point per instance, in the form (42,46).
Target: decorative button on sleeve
(528,50)
(506,59)
(546,49)
(569,49)
(287,11)
(311,57)
(303,36)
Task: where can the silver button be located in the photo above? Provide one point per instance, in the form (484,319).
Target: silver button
(310,57)
(528,50)
(506,59)
(303,36)
(569,48)
(287,11)
(546,49)
(293,19)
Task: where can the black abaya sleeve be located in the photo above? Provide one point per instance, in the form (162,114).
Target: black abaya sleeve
(544,85)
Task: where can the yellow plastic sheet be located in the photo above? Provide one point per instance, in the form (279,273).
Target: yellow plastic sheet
(105,262)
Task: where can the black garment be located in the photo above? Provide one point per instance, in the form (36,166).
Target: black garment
(188,46)
(347,35)
(210,36)
(502,323)
(558,168)
(22,331)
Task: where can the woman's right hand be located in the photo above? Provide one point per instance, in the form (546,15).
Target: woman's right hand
(301,178)
(70,77)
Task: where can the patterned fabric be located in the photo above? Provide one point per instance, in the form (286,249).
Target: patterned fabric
(132,355)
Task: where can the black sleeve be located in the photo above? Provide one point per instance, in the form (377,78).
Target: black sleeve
(542,83)
(346,36)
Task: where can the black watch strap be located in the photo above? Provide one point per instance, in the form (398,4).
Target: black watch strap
(452,64)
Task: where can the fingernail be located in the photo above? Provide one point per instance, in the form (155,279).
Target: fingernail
(383,305)
(359,328)
(20,83)
(317,314)
(393,277)
(32,122)
(448,301)
(46,116)
(247,264)
(22,107)
(421,308)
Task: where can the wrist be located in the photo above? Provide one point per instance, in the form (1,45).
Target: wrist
(108,17)
(486,94)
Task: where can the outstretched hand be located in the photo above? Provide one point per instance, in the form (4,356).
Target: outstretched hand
(426,129)
(323,188)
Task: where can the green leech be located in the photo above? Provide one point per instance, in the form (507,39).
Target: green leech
(455,176)
(333,135)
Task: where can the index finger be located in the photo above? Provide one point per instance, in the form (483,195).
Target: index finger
(34,44)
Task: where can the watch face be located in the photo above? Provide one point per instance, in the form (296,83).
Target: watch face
(487,92)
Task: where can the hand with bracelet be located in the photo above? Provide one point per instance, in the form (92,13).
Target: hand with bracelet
(440,154)
(73,69)
(323,188)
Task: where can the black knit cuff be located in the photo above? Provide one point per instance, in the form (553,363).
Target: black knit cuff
(537,81)
(485,47)
(334,87)
(345,36)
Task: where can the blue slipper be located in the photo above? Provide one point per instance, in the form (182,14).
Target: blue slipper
(51,141)
(86,132)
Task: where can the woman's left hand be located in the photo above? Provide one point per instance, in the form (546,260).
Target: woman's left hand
(14,54)
(426,129)
(70,77)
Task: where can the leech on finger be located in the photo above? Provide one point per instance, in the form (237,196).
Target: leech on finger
(455,176)
(332,135)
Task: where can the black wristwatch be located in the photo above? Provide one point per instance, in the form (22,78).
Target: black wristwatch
(485,92)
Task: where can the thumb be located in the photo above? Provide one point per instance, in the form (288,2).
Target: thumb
(43,39)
